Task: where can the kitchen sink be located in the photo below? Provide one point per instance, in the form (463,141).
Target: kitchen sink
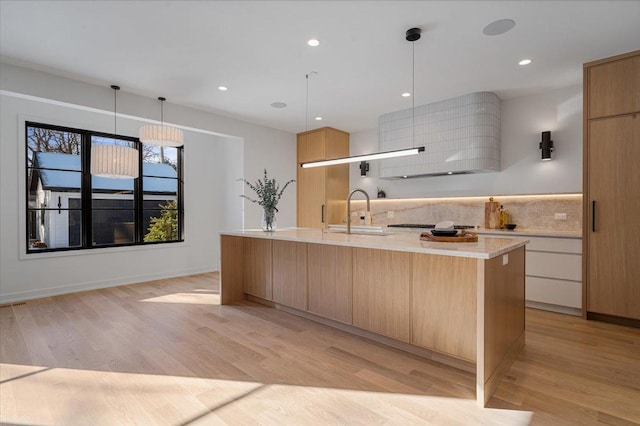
(360,230)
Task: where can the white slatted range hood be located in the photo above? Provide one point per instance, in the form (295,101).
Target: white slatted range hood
(460,135)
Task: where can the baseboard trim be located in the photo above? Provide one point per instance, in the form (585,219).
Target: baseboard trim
(628,322)
(554,308)
(95,285)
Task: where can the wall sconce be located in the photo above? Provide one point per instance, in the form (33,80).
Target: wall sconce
(546,146)
(364,168)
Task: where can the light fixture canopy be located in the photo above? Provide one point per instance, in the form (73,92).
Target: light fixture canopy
(546,146)
(161,135)
(364,157)
(114,161)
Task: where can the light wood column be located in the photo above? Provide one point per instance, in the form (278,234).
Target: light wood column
(257,267)
(231,269)
(330,281)
(381,292)
(290,274)
(443,305)
(500,321)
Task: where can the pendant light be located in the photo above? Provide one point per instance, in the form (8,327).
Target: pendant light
(161,135)
(412,35)
(114,161)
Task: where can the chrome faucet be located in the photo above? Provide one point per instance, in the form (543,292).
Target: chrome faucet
(349,206)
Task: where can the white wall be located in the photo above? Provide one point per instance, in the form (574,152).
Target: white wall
(227,150)
(522,172)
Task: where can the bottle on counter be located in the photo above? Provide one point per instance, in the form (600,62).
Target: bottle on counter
(504,217)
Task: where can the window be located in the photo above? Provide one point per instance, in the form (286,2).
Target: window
(68,208)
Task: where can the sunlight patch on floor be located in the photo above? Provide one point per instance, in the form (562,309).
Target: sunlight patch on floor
(200,298)
(42,395)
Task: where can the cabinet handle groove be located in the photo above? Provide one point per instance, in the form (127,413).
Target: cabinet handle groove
(323,213)
(593,216)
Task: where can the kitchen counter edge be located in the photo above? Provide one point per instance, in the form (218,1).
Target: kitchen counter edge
(487,247)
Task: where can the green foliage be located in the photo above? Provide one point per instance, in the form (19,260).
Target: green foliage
(267,190)
(165,227)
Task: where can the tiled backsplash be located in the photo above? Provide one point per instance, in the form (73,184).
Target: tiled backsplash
(529,212)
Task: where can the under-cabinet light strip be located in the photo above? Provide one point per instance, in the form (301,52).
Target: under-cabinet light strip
(365,157)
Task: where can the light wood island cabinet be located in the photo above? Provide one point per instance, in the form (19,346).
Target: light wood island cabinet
(612,189)
(257,268)
(463,306)
(443,304)
(290,274)
(322,191)
(330,282)
(382,292)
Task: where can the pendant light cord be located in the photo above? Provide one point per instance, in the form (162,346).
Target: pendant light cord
(306,110)
(413,93)
(115,108)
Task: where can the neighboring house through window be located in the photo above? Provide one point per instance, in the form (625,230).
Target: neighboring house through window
(67,208)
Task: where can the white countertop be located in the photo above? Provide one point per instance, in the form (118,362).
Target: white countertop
(532,233)
(506,232)
(485,248)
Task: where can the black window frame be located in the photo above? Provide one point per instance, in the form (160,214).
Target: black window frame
(86,192)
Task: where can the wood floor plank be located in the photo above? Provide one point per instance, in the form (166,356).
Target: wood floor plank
(165,352)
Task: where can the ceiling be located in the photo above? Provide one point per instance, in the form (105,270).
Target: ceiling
(184,50)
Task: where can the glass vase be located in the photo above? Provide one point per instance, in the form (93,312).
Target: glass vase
(269,223)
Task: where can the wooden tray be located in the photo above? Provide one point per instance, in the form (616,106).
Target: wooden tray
(463,237)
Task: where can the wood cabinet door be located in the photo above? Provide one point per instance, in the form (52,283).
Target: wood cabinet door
(443,305)
(257,267)
(312,207)
(381,292)
(330,281)
(337,177)
(290,273)
(614,232)
(614,87)
(311,183)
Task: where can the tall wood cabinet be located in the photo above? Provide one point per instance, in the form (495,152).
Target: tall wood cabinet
(322,191)
(611,266)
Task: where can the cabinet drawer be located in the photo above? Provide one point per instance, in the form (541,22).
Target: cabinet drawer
(555,292)
(554,265)
(559,245)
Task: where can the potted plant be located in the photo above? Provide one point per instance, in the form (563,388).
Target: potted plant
(268,194)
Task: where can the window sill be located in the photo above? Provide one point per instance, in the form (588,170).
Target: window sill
(100,250)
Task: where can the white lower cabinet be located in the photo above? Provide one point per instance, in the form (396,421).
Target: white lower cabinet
(554,274)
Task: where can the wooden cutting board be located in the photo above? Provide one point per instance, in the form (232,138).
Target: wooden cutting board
(463,237)
(491,214)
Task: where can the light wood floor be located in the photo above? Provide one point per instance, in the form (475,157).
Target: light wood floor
(165,352)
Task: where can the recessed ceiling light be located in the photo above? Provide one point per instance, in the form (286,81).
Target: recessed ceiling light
(279,105)
(498,27)
(318,118)
(524,62)
(313,42)
(222,88)
(406,94)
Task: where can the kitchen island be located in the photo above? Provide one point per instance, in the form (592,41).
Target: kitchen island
(456,303)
